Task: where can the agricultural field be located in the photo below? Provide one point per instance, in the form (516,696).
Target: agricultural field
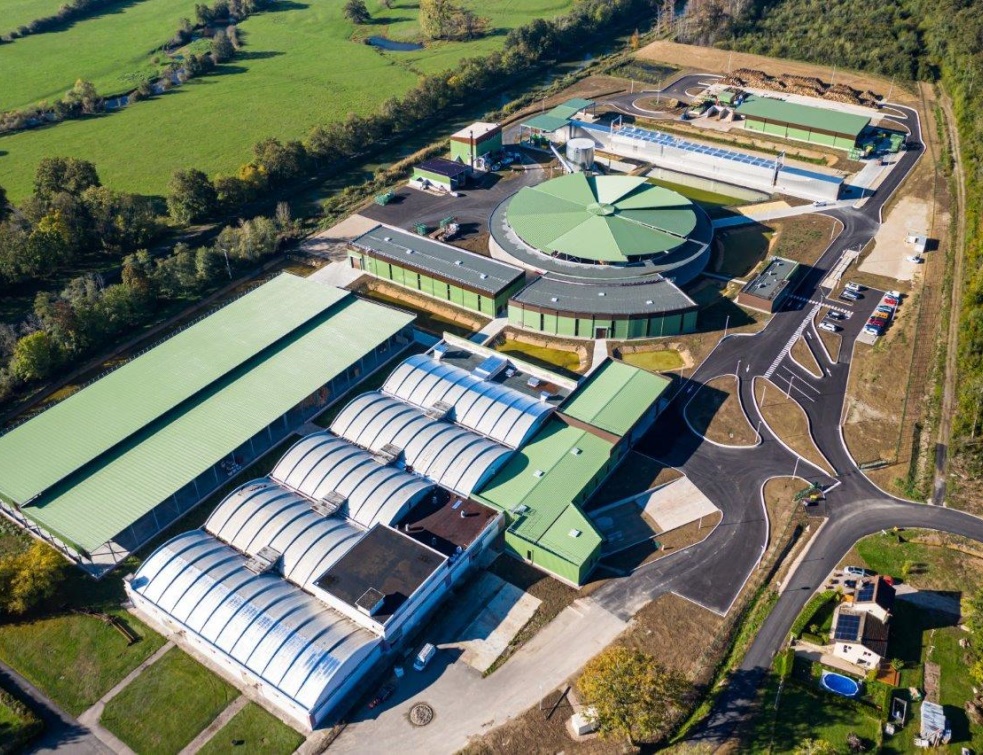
(300,66)
(16,13)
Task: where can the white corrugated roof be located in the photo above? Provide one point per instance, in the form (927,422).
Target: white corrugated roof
(492,409)
(443,452)
(277,632)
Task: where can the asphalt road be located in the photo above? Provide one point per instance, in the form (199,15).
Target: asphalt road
(714,571)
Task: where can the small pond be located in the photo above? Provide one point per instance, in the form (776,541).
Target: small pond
(392,45)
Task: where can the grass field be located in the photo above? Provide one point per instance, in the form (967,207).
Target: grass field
(743,248)
(92,656)
(253,730)
(112,51)
(299,67)
(16,13)
(656,361)
(166,707)
(558,360)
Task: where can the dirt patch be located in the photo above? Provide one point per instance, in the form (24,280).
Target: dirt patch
(779,494)
(831,341)
(715,412)
(788,421)
(888,257)
(802,354)
(636,474)
(803,238)
(719,61)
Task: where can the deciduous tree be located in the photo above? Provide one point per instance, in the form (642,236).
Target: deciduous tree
(192,196)
(357,12)
(633,695)
(28,578)
(35,357)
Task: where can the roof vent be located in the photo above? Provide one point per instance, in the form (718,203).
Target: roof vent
(601,293)
(264,560)
(483,275)
(575,451)
(329,504)
(554,299)
(533,381)
(370,602)
(387,238)
(520,509)
(457,262)
(544,396)
(388,453)
(439,410)
(538,473)
(574,533)
(648,301)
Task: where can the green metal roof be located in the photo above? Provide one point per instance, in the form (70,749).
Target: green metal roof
(835,121)
(546,122)
(615,397)
(546,475)
(610,219)
(39,453)
(98,502)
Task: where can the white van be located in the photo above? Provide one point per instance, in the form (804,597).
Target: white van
(426,654)
(855,287)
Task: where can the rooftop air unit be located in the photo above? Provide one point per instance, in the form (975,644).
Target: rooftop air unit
(370,602)
(439,410)
(489,368)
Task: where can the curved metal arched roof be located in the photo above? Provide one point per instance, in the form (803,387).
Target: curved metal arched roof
(440,451)
(322,463)
(281,634)
(262,513)
(492,409)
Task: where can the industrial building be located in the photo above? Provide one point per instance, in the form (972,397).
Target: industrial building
(767,291)
(555,124)
(110,467)
(678,155)
(546,484)
(611,253)
(300,583)
(474,142)
(790,120)
(441,173)
(436,269)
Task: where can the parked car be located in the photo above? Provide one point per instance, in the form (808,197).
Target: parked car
(857,571)
(834,315)
(426,654)
(915,258)
(844,297)
(871,330)
(890,300)
(856,287)
(827,325)
(384,694)
(893,294)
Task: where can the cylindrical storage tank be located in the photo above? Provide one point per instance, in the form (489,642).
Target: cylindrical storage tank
(580,152)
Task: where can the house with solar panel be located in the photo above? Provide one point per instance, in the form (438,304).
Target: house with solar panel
(861,623)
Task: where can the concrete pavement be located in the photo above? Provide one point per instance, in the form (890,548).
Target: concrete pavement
(465,704)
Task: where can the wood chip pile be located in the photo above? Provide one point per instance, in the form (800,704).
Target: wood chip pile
(804,85)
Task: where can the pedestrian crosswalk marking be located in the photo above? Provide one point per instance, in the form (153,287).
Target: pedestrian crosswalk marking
(791,341)
(838,308)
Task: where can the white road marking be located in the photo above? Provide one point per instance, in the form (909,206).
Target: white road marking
(837,307)
(791,341)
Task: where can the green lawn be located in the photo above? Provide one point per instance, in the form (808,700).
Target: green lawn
(253,730)
(299,67)
(656,361)
(559,360)
(709,199)
(931,566)
(111,50)
(166,707)
(811,713)
(16,13)
(18,723)
(73,658)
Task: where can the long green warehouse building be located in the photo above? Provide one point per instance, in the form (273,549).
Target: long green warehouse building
(110,467)
(790,120)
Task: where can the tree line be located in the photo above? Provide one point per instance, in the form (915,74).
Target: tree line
(194,197)
(70,211)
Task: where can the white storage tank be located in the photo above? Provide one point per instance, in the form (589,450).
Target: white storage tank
(580,153)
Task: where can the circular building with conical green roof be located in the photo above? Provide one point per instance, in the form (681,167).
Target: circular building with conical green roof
(611,253)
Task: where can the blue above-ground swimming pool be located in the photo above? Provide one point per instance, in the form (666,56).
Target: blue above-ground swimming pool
(839,684)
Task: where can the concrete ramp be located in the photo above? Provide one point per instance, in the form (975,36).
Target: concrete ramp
(506,610)
(635,520)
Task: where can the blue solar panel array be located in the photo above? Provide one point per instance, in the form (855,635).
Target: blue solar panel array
(847,627)
(657,137)
(866,591)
